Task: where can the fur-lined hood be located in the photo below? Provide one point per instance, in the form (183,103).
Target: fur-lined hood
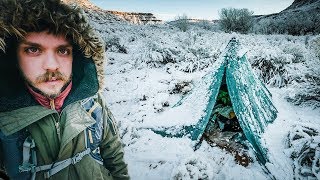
(17,17)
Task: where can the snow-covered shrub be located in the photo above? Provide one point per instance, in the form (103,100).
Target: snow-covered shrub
(113,44)
(180,87)
(193,168)
(315,45)
(287,61)
(296,50)
(271,67)
(182,23)
(202,24)
(307,91)
(129,135)
(197,52)
(267,26)
(205,24)
(155,54)
(160,102)
(304,77)
(235,20)
(191,63)
(262,27)
(303,142)
(198,57)
(188,51)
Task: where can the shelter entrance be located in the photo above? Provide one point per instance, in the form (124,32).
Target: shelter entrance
(223,129)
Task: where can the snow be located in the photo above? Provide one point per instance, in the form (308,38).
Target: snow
(276,135)
(142,94)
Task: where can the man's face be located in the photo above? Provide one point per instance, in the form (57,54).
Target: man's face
(45,61)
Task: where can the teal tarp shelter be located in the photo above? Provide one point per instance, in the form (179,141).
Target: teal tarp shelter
(250,99)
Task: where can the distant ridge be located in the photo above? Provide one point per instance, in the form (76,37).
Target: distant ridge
(137,18)
(114,16)
(302,3)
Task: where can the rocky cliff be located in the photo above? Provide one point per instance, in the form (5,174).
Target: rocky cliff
(137,18)
(110,16)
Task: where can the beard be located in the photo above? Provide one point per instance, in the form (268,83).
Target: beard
(48,76)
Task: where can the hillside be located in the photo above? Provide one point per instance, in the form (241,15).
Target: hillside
(304,5)
(301,17)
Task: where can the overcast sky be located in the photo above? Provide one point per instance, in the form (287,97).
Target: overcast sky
(199,9)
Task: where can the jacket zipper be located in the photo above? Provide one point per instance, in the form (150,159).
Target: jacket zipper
(56,121)
(52,105)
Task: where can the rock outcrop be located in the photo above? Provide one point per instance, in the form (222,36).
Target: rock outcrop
(137,18)
(100,14)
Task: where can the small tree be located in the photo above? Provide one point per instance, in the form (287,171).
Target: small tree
(205,24)
(182,22)
(238,20)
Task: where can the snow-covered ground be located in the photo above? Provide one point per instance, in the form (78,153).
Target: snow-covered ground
(151,68)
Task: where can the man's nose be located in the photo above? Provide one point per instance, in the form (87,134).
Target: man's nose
(51,62)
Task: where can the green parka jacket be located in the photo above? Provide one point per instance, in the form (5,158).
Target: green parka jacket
(57,136)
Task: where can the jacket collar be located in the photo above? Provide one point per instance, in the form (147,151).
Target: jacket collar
(55,103)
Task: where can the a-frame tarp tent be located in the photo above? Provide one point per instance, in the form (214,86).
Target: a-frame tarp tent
(250,99)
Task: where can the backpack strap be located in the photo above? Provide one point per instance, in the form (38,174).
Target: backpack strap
(54,168)
(28,152)
(51,169)
(94,133)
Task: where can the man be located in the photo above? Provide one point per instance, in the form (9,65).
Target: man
(54,123)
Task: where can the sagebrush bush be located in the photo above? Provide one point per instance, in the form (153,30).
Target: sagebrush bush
(306,91)
(315,45)
(155,55)
(113,44)
(271,66)
(235,20)
(182,23)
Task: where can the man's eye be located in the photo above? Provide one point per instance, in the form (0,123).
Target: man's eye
(32,50)
(64,51)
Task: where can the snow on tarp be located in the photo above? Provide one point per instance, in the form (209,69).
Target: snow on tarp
(250,99)
(192,107)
